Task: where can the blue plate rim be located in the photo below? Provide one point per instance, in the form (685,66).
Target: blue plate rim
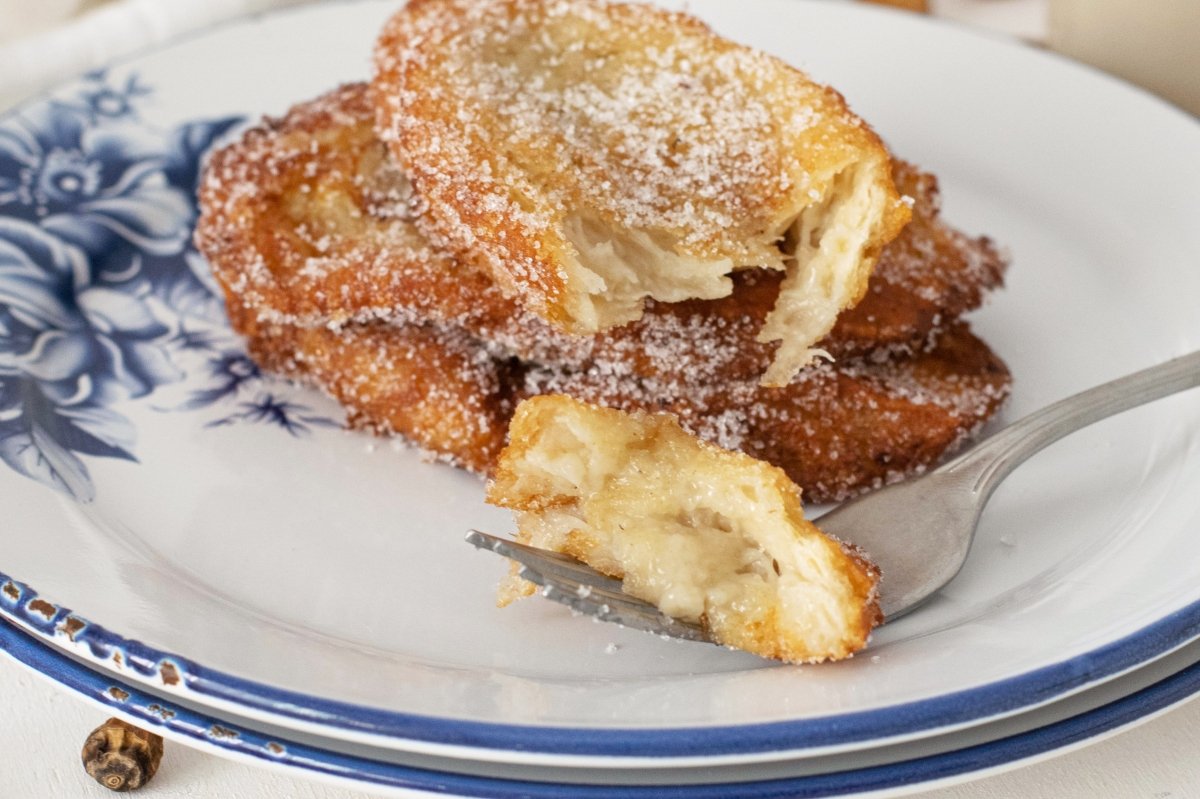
(24,607)
(153,712)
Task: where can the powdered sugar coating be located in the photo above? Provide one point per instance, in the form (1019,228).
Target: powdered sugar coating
(343,292)
(436,387)
(307,223)
(515,117)
(839,428)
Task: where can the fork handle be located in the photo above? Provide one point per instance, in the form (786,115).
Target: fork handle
(995,458)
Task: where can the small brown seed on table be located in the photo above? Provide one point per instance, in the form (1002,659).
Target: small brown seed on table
(120,756)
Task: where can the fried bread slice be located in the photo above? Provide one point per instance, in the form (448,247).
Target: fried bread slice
(839,430)
(307,222)
(437,388)
(569,146)
(709,536)
(309,231)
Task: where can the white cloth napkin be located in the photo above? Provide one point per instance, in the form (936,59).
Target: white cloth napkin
(31,64)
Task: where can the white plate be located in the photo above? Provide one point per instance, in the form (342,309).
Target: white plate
(316,579)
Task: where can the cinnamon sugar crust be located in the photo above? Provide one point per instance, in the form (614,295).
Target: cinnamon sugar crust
(437,388)
(308,223)
(311,232)
(568,147)
(840,430)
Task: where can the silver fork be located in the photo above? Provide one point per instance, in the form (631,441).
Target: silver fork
(917,532)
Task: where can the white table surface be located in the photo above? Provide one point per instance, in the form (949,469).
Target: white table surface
(43,728)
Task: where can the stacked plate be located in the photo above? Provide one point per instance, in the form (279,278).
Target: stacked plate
(206,551)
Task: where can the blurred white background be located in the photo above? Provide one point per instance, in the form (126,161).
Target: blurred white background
(1155,44)
(45,42)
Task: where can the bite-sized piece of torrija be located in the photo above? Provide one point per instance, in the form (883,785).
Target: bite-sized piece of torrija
(593,155)
(707,535)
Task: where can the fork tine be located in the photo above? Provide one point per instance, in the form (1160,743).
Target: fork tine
(585,590)
(544,561)
(620,609)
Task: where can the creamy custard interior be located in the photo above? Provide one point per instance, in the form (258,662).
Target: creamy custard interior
(827,247)
(707,535)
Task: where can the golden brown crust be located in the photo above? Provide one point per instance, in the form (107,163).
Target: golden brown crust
(517,118)
(838,430)
(299,227)
(711,536)
(290,264)
(306,222)
(436,388)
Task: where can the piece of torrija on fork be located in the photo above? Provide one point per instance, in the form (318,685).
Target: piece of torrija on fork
(707,535)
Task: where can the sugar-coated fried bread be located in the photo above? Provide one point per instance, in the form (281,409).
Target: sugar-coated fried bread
(437,388)
(594,154)
(309,231)
(709,536)
(307,222)
(839,429)
(926,277)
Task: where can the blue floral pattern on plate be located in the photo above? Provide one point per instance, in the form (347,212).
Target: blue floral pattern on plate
(103,299)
